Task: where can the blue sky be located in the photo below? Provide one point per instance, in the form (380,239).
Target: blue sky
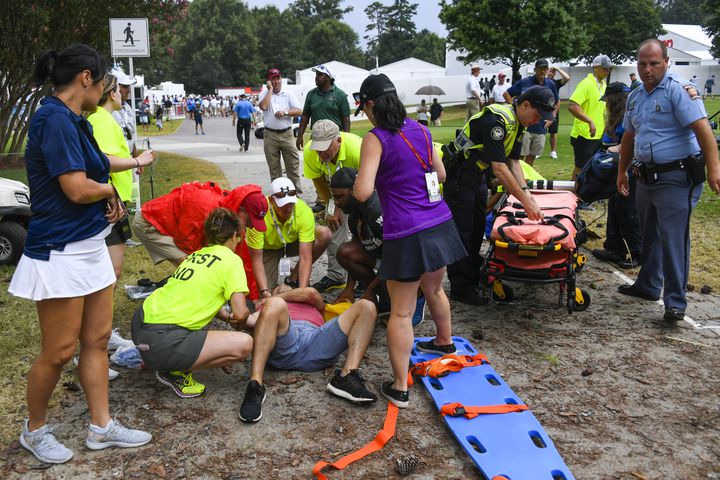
(427,16)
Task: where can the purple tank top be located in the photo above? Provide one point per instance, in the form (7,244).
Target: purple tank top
(400,183)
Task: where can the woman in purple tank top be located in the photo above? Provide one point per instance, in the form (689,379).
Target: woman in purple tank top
(419,236)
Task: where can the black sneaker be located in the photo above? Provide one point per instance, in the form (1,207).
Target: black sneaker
(471,297)
(430,347)
(251,408)
(351,387)
(325,284)
(396,397)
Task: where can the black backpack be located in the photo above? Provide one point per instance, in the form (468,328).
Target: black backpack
(598,178)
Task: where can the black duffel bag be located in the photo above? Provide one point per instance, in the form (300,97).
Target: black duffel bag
(598,178)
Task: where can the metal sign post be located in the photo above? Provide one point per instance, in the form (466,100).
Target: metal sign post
(130,37)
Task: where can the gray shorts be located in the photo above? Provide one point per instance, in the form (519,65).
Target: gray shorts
(170,347)
(307,347)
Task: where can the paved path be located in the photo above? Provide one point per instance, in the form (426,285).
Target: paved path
(220,146)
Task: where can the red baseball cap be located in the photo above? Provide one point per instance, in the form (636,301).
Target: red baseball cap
(273,72)
(256,206)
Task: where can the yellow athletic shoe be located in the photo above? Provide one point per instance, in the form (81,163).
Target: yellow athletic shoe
(182,383)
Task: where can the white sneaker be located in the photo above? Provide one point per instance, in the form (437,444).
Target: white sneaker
(115,435)
(112,374)
(553,154)
(116,341)
(43,444)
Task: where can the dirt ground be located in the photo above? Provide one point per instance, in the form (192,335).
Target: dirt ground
(620,397)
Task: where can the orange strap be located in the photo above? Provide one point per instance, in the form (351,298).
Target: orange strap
(441,366)
(383,436)
(457,409)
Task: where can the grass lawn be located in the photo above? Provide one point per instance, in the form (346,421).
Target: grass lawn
(169,128)
(20,341)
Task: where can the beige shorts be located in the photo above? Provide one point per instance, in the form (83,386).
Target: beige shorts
(160,247)
(533,144)
(437,123)
(271,262)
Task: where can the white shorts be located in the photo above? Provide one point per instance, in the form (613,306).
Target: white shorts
(533,144)
(83,267)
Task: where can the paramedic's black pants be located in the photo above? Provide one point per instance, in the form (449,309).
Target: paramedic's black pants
(466,192)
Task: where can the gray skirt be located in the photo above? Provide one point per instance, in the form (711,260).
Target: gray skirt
(406,259)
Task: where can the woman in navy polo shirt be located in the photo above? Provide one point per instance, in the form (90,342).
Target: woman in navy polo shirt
(65,266)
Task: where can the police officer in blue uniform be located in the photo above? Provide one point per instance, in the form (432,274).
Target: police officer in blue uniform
(667,135)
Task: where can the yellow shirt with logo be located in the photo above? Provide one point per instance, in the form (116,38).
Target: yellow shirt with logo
(299,227)
(110,139)
(202,284)
(348,156)
(587,94)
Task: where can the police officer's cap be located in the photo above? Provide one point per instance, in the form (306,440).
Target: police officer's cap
(373,87)
(542,99)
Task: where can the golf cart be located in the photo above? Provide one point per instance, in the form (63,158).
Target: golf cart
(14,216)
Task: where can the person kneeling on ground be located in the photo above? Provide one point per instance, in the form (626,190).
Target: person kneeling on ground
(168,327)
(289,334)
(289,230)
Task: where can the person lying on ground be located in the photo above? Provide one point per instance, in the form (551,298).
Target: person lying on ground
(172,226)
(289,334)
(168,328)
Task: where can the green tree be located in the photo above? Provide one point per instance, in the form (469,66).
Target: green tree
(430,47)
(633,22)
(686,12)
(515,32)
(334,40)
(311,11)
(392,35)
(281,38)
(29,28)
(711,11)
(216,45)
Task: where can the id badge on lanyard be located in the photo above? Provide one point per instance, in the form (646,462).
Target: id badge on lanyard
(432,183)
(284,267)
(433,186)
(328,177)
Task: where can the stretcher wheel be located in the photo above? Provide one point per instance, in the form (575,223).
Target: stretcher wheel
(581,301)
(501,293)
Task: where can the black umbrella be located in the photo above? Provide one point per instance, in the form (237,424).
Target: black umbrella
(430,90)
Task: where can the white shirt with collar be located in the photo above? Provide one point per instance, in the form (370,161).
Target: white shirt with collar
(126,119)
(279,102)
(473,83)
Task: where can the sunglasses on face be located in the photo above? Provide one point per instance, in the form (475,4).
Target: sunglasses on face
(292,193)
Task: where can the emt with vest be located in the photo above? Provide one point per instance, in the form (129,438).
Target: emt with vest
(668,135)
(327,152)
(492,138)
(288,230)
(168,327)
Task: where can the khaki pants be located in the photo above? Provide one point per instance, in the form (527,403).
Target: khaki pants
(282,143)
(160,247)
(473,107)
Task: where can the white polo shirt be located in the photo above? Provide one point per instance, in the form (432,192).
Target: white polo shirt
(473,83)
(498,90)
(280,102)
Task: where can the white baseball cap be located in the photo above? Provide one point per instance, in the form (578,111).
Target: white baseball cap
(122,77)
(324,70)
(283,185)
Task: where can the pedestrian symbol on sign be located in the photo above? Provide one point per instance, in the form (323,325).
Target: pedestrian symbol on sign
(129,34)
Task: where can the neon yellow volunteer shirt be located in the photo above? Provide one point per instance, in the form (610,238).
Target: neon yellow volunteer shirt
(587,94)
(198,288)
(299,227)
(348,156)
(110,139)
